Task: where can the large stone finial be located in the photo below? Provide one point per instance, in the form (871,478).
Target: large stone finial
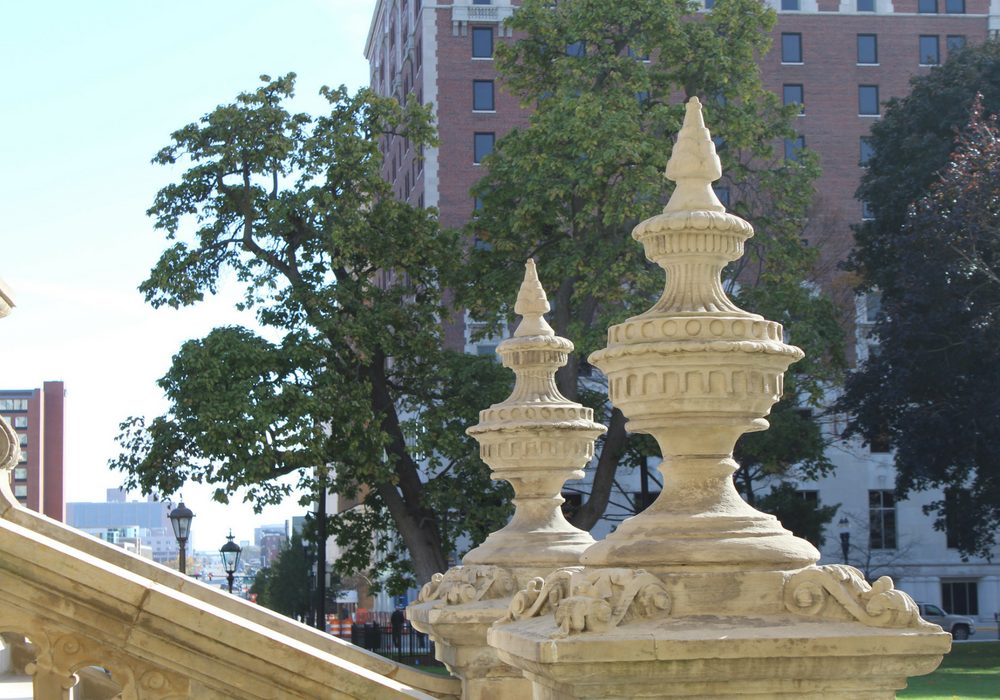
(695,372)
(694,165)
(531,305)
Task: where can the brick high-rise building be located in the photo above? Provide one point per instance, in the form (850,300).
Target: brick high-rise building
(37,417)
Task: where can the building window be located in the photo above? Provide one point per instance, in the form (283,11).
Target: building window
(792,146)
(866,213)
(22,439)
(576,49)
(791,48)
(20,473)
(482,42)
(794,94)
(24,457)
(482,96)
(13,404)
(482,2)
(868,49)
(960,597)
(20,491)
(868,100)
(709,4)
(955,43)
(882,519)
(866,5)
(723,194)
(808,496)
(927,6)
(873,304)
(954,7)
(930,54)
(789,4)
(866,150)
(483,146)
(21,422)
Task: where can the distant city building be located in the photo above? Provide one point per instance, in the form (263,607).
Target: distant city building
(270,548)
(260,532)
(148,520)
(37,417)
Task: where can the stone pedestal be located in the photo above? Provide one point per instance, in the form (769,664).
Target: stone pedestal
(536,440)
(701,596)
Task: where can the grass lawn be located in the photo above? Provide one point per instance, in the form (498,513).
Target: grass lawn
(971,670)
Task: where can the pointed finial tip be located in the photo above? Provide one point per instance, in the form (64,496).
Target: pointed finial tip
(532,304)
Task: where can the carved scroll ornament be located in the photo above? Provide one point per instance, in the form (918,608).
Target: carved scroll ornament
(467,584)
(591,601)
(814,590)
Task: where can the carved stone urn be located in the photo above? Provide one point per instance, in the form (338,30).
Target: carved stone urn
(700,595)
(536,440)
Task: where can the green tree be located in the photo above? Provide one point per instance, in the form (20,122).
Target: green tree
(286,583)
(602,78)
(806,519)
(295,208)
(931,383)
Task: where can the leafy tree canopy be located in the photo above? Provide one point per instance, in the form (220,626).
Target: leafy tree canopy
(295,208)
(806,519)
(932,381)
(604,80)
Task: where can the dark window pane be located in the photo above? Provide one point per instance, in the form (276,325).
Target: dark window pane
(954,7)
(866,150)
(791,48)
(483,146)
(482,42)
(866,5)
(792,146)
(482,95)
(927,6)
(955,43)
(874,499)
(576,49)
(709,4)
(873,304)
(482,2)
(867,48)
(794,94)
(789,4)
(723,194)
(929,55)
(868,99)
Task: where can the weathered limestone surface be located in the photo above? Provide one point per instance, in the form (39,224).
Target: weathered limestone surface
(536,440)
(701,596)
(83,603)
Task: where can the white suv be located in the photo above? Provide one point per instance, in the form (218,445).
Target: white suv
(960,626)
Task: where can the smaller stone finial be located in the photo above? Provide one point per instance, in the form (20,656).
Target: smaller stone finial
(694,165)
(531,305)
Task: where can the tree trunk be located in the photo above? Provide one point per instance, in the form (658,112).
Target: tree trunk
(416,523)
(607,464)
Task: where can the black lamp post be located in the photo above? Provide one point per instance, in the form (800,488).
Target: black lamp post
(307,553)
(230,552)
(180,518)
(845,536)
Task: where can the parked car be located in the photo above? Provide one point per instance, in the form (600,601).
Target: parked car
(960,626)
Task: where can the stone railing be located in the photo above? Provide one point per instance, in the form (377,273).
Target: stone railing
(83,603)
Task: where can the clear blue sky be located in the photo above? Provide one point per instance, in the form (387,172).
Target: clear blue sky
(92,91)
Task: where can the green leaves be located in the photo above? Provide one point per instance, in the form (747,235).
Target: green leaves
(295,207)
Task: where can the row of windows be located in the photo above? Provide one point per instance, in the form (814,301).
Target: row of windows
(928,48)
(20,473)
(13,404)
(951,7)
(16,421)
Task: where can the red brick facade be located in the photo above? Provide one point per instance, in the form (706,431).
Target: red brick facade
(37,418)
(435,62)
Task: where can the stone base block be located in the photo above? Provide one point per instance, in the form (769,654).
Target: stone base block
(707,657)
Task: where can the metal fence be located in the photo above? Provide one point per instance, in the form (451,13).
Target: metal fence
(405,645)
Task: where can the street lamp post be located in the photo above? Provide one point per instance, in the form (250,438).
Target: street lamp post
(307,553)
(180,518)
(230,552)
(845,536)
